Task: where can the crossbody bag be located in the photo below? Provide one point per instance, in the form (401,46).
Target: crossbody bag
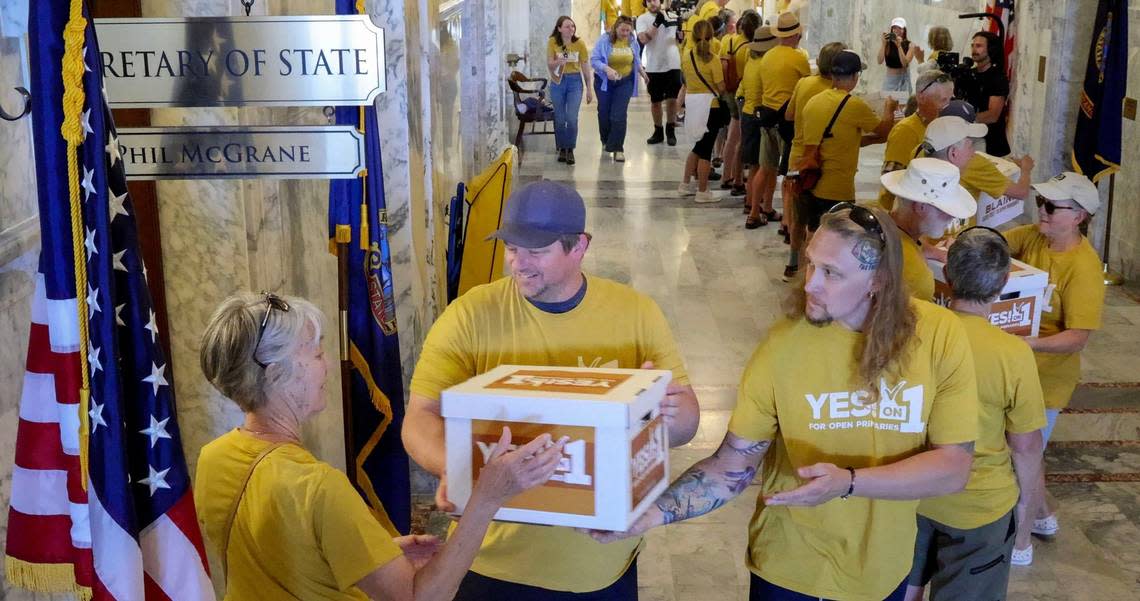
(808,178)
(237,502)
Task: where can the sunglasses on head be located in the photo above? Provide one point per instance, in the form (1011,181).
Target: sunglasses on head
(863,217)
(272,301)
(1044,203)
(939,79)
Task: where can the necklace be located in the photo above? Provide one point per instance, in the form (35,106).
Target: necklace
(291,437)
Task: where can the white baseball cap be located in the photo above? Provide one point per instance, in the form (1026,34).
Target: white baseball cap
(898,22)
(933,182)
(944,132)
(1071,186)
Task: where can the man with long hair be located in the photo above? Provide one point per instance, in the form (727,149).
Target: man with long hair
(859,403)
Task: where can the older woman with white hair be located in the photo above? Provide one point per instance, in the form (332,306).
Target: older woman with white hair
(286,525)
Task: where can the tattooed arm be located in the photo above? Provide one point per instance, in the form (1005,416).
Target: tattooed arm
(707,485)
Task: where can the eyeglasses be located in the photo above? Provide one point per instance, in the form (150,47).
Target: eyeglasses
(272,301)
(939,79)
(1000,235)
(1049,207)
(863,217)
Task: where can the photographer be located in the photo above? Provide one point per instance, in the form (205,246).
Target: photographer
(987,87)
(657,33)
(897,52)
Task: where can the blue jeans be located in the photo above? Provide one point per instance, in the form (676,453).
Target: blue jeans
(567,98)
(762,590)
(613,106)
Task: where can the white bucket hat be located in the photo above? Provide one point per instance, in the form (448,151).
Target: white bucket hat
(933,182)
(1071,186)
(944,132)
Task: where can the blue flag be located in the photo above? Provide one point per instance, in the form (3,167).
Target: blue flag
(377,463)
(1096,145)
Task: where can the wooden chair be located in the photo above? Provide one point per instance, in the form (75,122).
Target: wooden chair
(531,106)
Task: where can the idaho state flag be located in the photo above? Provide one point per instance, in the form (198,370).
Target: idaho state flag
(1096,146)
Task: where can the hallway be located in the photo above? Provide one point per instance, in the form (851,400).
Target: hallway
(719,286)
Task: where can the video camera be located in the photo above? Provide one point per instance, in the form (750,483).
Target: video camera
(960,69)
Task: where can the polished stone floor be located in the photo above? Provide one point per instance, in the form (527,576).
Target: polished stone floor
(719,285)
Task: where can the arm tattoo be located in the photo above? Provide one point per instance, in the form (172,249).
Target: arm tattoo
(690,496)
(738,481)
(867,253)
(700,490)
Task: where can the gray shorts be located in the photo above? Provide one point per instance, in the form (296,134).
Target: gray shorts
(963,564)
(771,147)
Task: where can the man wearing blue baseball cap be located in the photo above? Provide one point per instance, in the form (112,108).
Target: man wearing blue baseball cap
(547,312)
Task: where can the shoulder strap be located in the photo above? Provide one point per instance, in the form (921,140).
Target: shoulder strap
(693,57)
(237,501)
(830,124)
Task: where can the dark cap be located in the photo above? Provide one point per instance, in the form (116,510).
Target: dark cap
(960,108)
(847,62)
(538,213)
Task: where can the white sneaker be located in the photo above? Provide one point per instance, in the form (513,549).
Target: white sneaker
(687,189)
(619,157)
(706,196)
(1021,557)
(1046,526)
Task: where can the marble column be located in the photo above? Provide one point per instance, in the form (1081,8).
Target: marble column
(543,16)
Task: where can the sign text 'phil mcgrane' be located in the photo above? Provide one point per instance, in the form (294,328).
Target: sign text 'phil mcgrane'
(241,61)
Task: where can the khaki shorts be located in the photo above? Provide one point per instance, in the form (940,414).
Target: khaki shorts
(771,147)
(963,564)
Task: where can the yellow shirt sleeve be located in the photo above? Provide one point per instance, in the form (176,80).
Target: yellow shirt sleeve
(443,361)
(981,174)
(754,417)
(901,142)
(350,538)
(1026,411)
(865,117)
(1018,238)
(1082,299)
(661,348)
(954,411)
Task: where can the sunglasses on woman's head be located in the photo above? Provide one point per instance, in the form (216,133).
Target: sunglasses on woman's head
(1043,203)
(863,217)
(272,301)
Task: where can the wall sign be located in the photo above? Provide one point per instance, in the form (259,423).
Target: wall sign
(322,152)
(241,61)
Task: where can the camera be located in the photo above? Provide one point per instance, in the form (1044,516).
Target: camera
(952,64)
(891,37)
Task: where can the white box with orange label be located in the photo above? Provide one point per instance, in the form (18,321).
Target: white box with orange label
(615,464)
(1018,309)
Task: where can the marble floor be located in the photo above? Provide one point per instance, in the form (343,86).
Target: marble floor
(719,285)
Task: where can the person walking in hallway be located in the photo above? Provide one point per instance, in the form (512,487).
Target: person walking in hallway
(704,77)
(657,33)
(566,57)
(616,61)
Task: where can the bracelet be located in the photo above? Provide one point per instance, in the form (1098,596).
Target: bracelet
(851,488)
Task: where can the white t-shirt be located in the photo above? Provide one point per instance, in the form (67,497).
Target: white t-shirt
(661,53)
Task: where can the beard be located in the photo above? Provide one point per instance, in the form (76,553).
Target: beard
(818,322)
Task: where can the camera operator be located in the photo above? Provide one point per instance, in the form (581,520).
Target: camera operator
(657,33)
(987,88)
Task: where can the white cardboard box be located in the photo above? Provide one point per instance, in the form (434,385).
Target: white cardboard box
(1018,309)
(993,212)
(615,464)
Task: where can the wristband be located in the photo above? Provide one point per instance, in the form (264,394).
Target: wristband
(851,488)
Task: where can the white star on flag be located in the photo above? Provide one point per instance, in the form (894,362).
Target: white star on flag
(86,67)
(119,315)
(155,378)
(155,479)
(112,149)
(89,242)
(117,260)
(96,414)
(92,302)
(88,183)
(152,326)
(156,430)
(115,204)
(85,121)
(93,358)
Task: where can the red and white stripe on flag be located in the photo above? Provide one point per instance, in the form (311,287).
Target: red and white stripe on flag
(1004,10)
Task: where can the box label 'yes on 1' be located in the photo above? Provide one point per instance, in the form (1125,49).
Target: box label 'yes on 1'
(615,463)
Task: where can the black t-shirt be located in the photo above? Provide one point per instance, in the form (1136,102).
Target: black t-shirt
(892,58)
(983,85)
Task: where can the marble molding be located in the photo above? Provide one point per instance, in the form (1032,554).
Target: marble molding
(587,15)
(543,16)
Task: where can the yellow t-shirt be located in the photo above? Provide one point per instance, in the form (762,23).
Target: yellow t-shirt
(575,53)
(751,86)
(1009,400)
(805,90)
(621,58)
(492,325)
(840,152)
(916,271)
(633,8)
(1075,304)
(800,389)
(711,70)
(905,136)
(981,175)
(781,68)
(706,10)
(301,531)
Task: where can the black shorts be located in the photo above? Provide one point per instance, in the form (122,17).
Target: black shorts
(809,209)
(664,85)
(477,587)
(749,140)
(718,118)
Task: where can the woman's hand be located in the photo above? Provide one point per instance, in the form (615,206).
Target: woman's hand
(419,548)
(509,473)
(589,94)
(612,73)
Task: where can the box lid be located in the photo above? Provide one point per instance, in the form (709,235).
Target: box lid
(1022,276)
(547,394)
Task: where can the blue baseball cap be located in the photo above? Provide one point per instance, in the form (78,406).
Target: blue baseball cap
(960,108)
(541,212)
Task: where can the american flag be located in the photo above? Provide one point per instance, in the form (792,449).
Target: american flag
(133,532)
(1003,10)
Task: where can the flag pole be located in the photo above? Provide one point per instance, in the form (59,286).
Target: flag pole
(345,359)
(1111,278)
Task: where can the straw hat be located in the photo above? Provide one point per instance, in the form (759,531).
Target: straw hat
(787,25)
